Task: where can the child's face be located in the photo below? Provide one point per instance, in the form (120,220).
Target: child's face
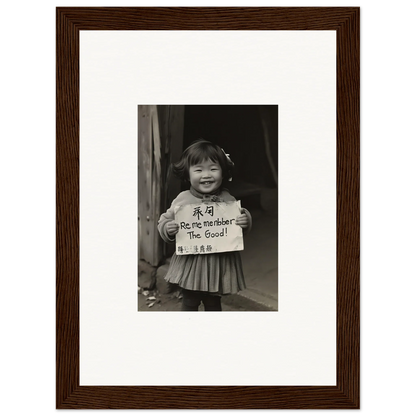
(206,177)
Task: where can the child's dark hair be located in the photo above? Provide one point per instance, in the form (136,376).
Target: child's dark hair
(197,152)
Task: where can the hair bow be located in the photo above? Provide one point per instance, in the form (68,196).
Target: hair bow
(227,155)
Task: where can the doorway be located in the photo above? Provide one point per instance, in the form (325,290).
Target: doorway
(249,133)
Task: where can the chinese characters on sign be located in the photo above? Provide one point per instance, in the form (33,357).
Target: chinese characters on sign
(196,249)
(198,212)
(208,228)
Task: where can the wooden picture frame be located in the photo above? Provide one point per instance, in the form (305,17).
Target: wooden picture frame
(69,393)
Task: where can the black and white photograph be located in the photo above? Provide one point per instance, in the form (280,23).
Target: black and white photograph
(208,207)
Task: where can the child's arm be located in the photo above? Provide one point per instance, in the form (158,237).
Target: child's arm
(244,220)
(167,226)
(172,228)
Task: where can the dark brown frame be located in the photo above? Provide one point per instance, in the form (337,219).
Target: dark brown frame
(346,393)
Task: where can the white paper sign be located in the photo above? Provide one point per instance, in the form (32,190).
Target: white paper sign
(208,228)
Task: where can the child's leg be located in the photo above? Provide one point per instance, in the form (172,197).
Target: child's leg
(191,300)
(212,302)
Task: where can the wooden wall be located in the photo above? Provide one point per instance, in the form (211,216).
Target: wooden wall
(160,139)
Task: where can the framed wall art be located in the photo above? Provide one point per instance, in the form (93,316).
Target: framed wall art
(279,89)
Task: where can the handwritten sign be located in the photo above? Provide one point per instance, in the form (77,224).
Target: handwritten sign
(208,228)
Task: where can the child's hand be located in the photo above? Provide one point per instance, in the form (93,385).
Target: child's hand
(172,228)
(242,220)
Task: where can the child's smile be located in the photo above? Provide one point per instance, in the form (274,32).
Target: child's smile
(205,177)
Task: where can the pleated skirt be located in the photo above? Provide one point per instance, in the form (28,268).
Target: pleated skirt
(220,273)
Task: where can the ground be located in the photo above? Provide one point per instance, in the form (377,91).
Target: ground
(153,301)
